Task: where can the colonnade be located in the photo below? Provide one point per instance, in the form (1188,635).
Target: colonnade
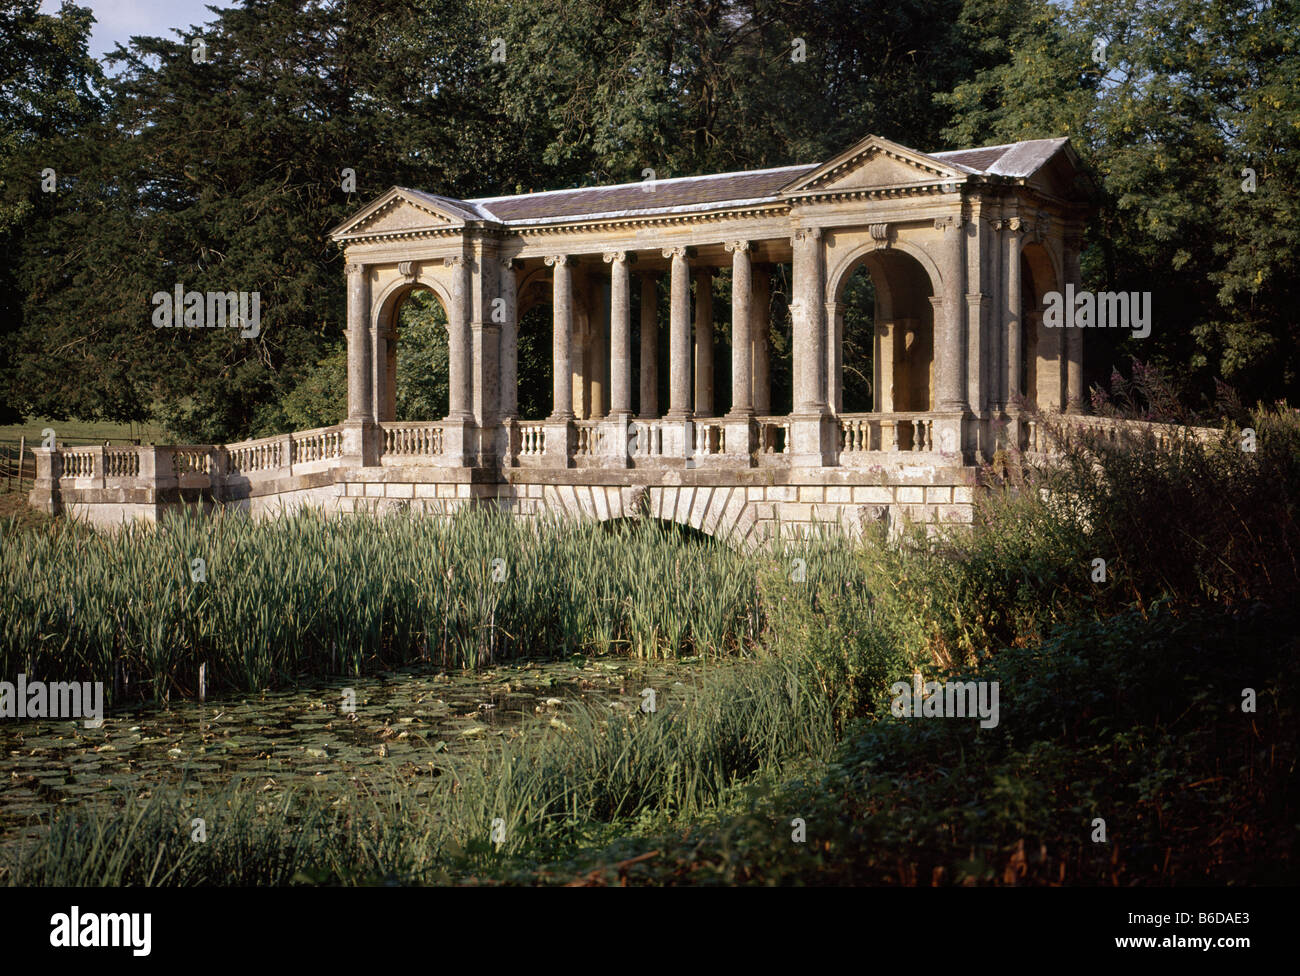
(690,350)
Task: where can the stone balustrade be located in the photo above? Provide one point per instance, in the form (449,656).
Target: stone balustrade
(590,440)
(532,441)
(256,456)
(867,433)
(877,459)
(1039,436)
(412,440)
(326,444)
(649,439)
(774,437)
(710,437)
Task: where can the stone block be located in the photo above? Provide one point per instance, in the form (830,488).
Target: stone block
(873,495)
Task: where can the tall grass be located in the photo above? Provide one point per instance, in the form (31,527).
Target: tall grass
(315,595)
(311,594)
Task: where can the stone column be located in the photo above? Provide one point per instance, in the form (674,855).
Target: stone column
(760,310)
(378,371)
(1013,313)
(459,393)
(483,362)
(1073,337)
(704,342)
(620,335)
(882,364)
(679,336)
(359,402)
(810,331)
(649,347)
(507,313)
(950,352)
(562,339)
(811,428)
(835,357)
(742,344)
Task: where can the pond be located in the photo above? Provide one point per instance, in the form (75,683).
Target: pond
(406,726)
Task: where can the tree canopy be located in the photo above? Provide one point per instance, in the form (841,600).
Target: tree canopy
(216,158)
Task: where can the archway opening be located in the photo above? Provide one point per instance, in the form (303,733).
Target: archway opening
(1043,371)
(885,336)
(418,358)
(857,344)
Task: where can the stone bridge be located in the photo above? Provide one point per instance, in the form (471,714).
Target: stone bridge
(962,249)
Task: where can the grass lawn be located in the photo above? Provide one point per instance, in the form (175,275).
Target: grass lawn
(81,432)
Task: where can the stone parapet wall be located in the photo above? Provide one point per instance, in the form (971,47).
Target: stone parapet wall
(744,506)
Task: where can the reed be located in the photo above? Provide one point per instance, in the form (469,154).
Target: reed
(316,595)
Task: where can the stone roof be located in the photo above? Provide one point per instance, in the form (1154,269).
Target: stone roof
(695,194)
(687,192)
(1015,159)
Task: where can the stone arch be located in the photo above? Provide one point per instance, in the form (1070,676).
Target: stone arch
(721,512)
(906,280)
(853,259)
(532,290)
(396,292)
(384,315)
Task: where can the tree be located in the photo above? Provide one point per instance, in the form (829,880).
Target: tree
(1181,97)
(47,91)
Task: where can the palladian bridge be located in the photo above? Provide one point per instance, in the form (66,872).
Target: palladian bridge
(961,248)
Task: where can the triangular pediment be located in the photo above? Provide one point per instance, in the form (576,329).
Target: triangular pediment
(876,163)
(399,212)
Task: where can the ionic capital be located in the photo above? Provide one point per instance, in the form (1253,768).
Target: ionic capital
(354,269)
(624,256)
(675,252)
(557,260)
(734,246)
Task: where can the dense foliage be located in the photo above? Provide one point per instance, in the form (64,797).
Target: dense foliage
(227,174)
